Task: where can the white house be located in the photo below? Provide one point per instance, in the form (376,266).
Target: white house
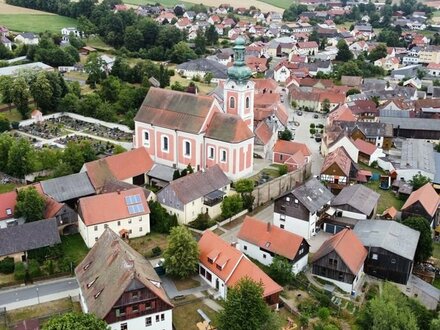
(298,211)
(125,212)
(68,30)
(222,265)
(346,142)
(6,42)
(262,241)
(27,38)
(120,286)
(433,69)
(197,193)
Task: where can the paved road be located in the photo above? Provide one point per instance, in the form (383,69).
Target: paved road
(38,293)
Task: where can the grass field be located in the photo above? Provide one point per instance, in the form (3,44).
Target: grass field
(6,187)
(166,3)
(13,115)
(279,3)
(35,23)
(387,197)
(74,248)
(8,9)
(146,243)
(185,317)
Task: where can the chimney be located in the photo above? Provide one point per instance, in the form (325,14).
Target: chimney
(118,191)
(268,226)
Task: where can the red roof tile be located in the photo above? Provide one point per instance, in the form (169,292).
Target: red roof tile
(234,264)
(341,158)
(263,133)
(228,128)
(7,204)
(427,196)
(109,207)
(342,113)
(291,148)
(365,147)
(348,247)
(270,238)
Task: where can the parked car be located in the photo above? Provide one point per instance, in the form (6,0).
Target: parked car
(315,116)
(299,113)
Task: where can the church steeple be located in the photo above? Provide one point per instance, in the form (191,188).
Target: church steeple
(238,88)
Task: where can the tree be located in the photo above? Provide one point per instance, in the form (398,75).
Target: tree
(160,220)
(286,135)
(20,95)
(245,188)
(30,205)
(419,180)
(6,142)
(200,43)
(182,254)
(181,53)
(69,103)
(377,53)
(94,68)
(325,106)
(133,38)
(4,124)
(77,321)
(5,53)
(42,92)
(437,147)
(424,246)
(6,90)
(280,270)
(352,91)
(231,205)
(110,89)
(435,324)
(211,35)
(208,77)
(20,158)
(344,54)
(246,309)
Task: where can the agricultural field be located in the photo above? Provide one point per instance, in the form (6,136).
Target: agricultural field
(166,3)
(35,23)
(14,10)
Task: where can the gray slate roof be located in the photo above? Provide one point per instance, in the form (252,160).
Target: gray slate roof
(68,187)
(437,168)
(192,186)
(389,235)
(358,196)
(412,123)
(29,236)
(313,195)
(217,69)
(417,154)
(162,172)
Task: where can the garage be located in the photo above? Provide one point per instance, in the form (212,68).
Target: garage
(333,228)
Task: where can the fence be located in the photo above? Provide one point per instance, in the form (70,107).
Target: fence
(276,187)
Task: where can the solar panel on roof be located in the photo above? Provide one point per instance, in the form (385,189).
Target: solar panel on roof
(136,208)
(132,199)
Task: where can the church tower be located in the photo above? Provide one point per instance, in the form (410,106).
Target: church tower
(238,89)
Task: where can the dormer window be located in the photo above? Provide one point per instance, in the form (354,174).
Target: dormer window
(210,261)
(87,266)
(98,294)
(8,212)
(91,283)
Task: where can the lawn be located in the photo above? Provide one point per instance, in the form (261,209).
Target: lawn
(43,310)
(74,248)
(185,316)
(166,3)
(6,187)
(36,23)
(146,243)
(185,284)
(13,115)
(203,88)
(387,197)
(436,250)
(96,42)
(284,4)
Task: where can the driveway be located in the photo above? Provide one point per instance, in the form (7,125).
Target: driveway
(38,293)
(317,240)
(171,290)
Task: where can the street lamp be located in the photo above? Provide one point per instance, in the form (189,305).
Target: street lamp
(38,295)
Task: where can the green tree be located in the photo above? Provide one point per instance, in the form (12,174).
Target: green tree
(20,95)
(94,68)
(181,53)
(245,187)
(200,43)
(69,103)
(5,125)
(419,181)
(211,35)
(182,254)
(280,270)
(6,142)
(30,205)
(42,92)
(133,38)
(73,156)
(435,324)
(377,53)
(286,135)
(325,106)
(344,54)
(77,321)
(110,89)
(424,246)
(89,104)
(208,77)
(160,220)
(6,90)
(437,147)
(20,158)
(231,205)
(352,91)
(246,309)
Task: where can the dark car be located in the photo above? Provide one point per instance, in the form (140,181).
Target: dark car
(299,113)
(315,116)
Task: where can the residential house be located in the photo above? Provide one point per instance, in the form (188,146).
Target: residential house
(200,67)
(222,266)
(424,202)
(341,113)
(18,240)
(368,152)
(257,64)
(274,17)
(125,212)
(6,42)
(356,202)
(433,69)
(429,54)
(4,31)
(8,201)
(298,211)
(293,154)
(166,17)
(266,134)
(337,170)
(27,38)
(330,143)
(380,134)
(306,48)
(130,166)
(352,81)
(180,128)
(196,193)
(391,248)
(340,260)
(190,15)
(65,32)
(68,188)
(214,19)
(388,63)
(364,110)
(183,24)
(263,242)
(363,31)
(282,71)
(119,286)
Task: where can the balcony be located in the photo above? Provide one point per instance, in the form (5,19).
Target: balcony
(213,198)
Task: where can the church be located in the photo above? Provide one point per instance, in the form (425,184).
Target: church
(180,128)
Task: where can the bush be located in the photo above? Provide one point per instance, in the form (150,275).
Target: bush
(282,169)
(312,125)
(202,222)
(312,131)
(323,313)
(20,271)
(7,265)
(15,124)
(34,268)
(156,251)
(374,164)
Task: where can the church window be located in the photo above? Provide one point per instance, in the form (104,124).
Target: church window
(232,102)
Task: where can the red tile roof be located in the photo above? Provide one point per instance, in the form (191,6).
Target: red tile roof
(263,132)
(365,147)
(228,128)
(308,44)
(234,264)
(109,207)
(52,206)
(341,158)
(342,113)
(291,148)
(122,166)
(270,238)
(7,203)
(348,247)
(391,211)
(427,196)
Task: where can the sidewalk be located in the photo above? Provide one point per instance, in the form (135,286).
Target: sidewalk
(172,291)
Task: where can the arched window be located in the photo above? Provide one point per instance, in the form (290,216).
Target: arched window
(165,143)
(232,102)
(187,148)
(248,101)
